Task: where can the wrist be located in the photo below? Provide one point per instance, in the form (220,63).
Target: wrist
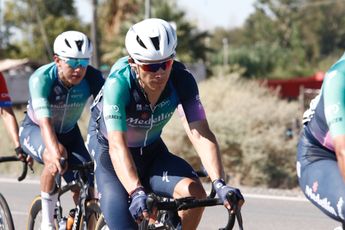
(18,150)
(218,184)
(135,191)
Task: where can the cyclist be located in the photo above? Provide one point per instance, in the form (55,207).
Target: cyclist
(10,120)
(139,97)
(321,147)
(58,94)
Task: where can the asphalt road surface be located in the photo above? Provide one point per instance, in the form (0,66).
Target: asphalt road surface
(261,211)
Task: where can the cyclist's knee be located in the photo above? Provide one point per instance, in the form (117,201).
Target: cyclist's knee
(189,187)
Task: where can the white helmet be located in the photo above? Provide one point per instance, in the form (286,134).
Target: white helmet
(152,39)
(73,44)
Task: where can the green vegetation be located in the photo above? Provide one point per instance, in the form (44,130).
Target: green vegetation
(250,123)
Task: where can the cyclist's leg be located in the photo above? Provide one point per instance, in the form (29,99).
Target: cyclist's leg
(112,195)
(173,177)
(320,179)
(77,154)
(32,143)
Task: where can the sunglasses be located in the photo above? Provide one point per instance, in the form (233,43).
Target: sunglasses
(76,62)
(156,66)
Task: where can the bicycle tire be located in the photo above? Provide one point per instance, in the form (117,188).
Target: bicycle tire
(34,222)
(93,214)
(6,220)
(101,225)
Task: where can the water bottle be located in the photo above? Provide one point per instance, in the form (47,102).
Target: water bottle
(62,223)
(70,219)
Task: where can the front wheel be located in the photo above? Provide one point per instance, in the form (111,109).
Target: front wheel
(101,225)
(6,221)
(35,214)
(92,213)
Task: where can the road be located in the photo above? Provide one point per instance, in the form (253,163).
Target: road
(260,211)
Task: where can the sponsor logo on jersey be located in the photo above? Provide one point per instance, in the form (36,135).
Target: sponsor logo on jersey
(323,202)
(111,108)
(77,96)
(156,120)
(5,95)
(63,106)
(165,177)
(139,107)
(163,103)
(57,90)
(110,116)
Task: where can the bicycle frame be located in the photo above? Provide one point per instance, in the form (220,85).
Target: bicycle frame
(81,183)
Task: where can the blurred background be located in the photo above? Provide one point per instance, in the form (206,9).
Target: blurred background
(257,62)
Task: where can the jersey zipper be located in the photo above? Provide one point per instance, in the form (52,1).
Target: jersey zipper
(151,125)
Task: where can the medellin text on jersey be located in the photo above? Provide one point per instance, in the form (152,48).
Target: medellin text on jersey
(125,107)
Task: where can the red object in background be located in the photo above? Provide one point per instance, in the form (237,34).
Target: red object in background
(290,88)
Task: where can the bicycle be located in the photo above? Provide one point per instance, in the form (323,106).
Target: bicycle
(6,219)
(167,208)
(86,212)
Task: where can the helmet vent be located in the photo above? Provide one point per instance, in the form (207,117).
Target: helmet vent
(168,37)
(79,44)
(155,42)
(67,43)
(141,42)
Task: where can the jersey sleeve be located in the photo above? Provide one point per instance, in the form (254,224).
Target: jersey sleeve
(334,100)
(5,100)
(188,92)
(40,84)
(115,96)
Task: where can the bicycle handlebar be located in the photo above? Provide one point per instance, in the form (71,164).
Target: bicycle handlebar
(15,158)
(190,202)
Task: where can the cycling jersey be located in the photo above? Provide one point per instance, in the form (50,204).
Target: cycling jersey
(317,168)
(5,100)
(328,115)
(50,98)
(123,106)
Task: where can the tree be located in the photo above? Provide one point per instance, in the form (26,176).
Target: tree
(33,25)
(119,15)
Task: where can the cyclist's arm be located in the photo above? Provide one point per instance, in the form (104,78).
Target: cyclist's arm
(11,124)
(116,96)
(334,101)
(51,143)
(40,86)
(122,160)
(205,143)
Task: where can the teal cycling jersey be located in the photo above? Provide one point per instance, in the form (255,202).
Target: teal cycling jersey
(122,104)
(327,114)
(50,98)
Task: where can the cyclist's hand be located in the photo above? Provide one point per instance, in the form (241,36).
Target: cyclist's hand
(57,163)
(24,157)
(223,192)
(138,208)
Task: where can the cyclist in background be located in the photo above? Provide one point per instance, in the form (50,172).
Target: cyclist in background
(138,99)
(59,92)
(321,147)
(10,120)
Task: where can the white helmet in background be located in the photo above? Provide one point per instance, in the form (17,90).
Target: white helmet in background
(73,44)
(152,39)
